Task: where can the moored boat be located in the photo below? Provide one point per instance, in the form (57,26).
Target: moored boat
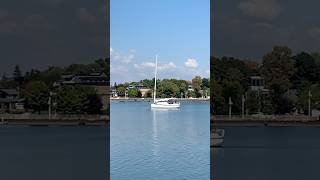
(166,103)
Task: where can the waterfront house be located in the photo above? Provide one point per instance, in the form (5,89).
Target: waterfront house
(257,83)
(113,92)
(99,81)
(315,113)
(10,101)
(142,88)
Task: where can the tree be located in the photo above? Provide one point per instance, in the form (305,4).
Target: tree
(78,100)
(36,94)
(91,100)
(197,83)
(133,93)
(51,75)
(17,75)
(278,69)
(121,91)
(168,89)
(234,90)
(303,98)
(252,102)
(306,70)
(205,83)
(17,72)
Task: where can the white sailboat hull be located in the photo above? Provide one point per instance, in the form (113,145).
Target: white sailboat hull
(216,142)
(167,103)
(165,106)
(217,138)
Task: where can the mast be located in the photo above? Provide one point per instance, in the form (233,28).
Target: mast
(155,81)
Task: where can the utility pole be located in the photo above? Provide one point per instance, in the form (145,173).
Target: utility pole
(242,106)
(309,103)
(49,103)
(230,107)
(247,110)
(259,102)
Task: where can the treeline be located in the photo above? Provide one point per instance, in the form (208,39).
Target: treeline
(36,86)
(288,80)
(167,88)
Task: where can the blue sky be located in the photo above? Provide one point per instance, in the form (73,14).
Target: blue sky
(178,31)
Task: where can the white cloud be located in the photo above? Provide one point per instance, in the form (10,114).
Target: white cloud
(123,58)
(111,51)
(266,9)
(168,66)
(115,69)
(151,65)
(191,63)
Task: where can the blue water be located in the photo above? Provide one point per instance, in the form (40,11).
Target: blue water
(265,153)
(54,153)
(159,144)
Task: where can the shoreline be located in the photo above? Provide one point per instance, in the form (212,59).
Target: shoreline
(275,122)
(151,99)
(40,120)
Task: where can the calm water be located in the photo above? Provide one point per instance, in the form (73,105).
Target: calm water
(53,153)
(159,144)
(266,153)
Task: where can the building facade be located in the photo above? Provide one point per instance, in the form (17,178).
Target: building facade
(10,101)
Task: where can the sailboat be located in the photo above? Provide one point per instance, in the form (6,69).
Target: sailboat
(166,103)
(216,135)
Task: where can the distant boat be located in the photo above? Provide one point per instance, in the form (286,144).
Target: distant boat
(216,137)
(166,103)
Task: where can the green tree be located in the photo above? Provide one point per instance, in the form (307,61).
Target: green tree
(197,83)
(78,100)
(252,102)
(205,83)
(17,75)
(133,93)
(278,69)
(306,70)
(69,100)
(36,94)
(91,100)
(303,98)
(168,89)
(51,75)
(17,72)
(121,91)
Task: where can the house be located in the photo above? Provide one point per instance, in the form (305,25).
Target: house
(10,101)
(257,83)
(142,88)
(315,113)
(99,81)
(114,92)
